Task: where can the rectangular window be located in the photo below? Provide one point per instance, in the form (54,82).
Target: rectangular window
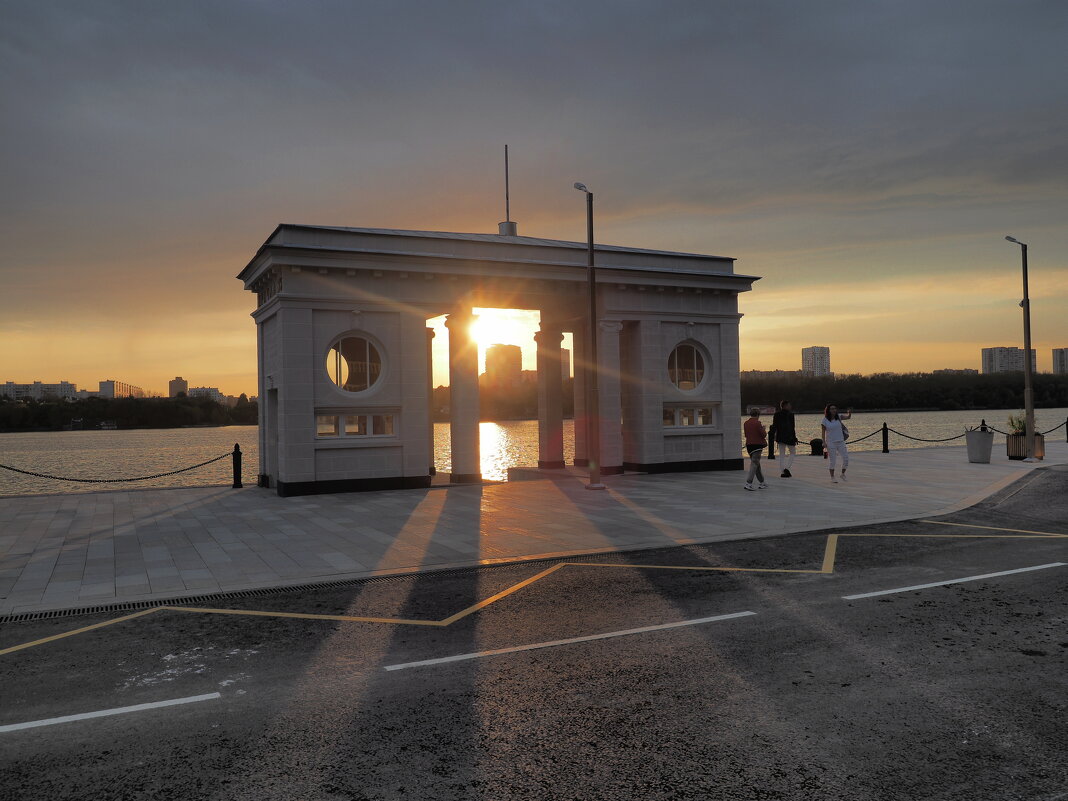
(355,425)
(679,416)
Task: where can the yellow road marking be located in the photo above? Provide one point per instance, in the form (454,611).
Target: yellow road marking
(827,567)
(301,615)
(990,528)
(79,631)
(829,553)
(502,594)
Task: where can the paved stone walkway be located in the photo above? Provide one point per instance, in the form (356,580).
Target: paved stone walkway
(80,550)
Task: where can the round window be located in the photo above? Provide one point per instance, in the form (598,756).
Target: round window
(686,367)
(354,364)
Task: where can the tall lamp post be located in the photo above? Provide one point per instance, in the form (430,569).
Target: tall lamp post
(1029,397)
(593,416)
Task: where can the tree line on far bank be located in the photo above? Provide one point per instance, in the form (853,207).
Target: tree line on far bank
(901,391)
(88,413)
(889,391)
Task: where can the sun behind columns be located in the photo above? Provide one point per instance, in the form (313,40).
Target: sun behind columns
(493,327)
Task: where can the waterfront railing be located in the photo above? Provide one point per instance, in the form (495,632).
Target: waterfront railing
(235,456)
(886,431)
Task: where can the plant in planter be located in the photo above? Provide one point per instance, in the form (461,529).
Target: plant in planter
(1016,441)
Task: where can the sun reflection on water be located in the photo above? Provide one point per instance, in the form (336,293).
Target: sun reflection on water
(502,445)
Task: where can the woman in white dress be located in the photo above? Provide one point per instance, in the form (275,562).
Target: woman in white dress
(835,435)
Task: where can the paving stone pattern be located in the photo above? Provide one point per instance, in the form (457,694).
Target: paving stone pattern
(70,551)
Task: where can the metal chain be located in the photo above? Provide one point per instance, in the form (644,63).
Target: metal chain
(113,480)
(1043,433)
(872,434)
(921,439)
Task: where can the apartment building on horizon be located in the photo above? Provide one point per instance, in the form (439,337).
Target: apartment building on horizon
(206,392)
(504,364)
(1060,361)
(110,388)
(816,361)
(38,390)
(1006,360)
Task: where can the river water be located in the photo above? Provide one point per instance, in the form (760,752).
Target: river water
(125,454)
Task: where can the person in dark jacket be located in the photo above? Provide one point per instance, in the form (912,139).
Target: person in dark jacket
(782,431)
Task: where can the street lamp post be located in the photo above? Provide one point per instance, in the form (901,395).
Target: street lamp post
(593,416)
(1029,397)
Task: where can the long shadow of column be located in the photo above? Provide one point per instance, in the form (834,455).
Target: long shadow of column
(417,732)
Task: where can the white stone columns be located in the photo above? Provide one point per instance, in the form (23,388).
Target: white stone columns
(463,403)
(296,398)
(550,398)
(608,386)
(643,395)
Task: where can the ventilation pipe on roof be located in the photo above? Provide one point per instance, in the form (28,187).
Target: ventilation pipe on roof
(506,228)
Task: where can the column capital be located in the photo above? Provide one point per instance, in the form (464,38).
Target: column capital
(460,317)
(549,336)
(610,326)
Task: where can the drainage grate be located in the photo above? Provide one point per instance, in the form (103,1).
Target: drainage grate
(190,600)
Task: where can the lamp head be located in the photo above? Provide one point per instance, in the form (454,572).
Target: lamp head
(581,187)
(1013,239)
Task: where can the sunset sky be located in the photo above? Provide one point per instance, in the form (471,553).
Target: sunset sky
(866,159)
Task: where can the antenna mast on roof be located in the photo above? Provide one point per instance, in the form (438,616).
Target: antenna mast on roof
(507,228)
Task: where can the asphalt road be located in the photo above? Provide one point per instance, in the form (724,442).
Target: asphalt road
(786,688)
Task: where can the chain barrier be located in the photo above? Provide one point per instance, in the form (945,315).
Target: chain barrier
(921,439)
(885,429)
(1043,433)
(872,434)
(113,480)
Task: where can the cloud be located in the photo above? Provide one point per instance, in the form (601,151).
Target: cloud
(151,147)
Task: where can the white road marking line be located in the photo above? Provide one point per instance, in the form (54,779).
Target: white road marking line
(953,581)
(554,643)
(122,710)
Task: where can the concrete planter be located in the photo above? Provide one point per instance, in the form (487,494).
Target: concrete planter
(980,445)
(1016,446)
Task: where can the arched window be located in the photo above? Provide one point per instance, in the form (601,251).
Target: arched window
(354,364)
(686,367)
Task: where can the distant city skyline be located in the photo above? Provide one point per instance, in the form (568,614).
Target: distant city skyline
(107,388)
(866,160)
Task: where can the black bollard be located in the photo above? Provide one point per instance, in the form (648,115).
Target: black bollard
(237,466)
(886,438)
